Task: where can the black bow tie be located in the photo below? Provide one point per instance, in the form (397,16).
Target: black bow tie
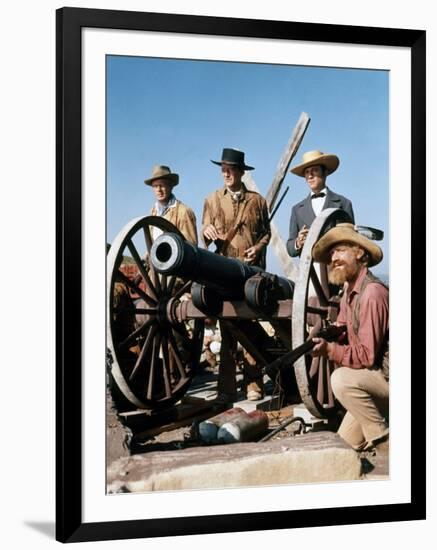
(317,195)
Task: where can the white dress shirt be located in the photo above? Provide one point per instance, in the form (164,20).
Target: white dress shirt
(318,202)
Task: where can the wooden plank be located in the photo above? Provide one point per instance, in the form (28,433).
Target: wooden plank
(188,407)
(290,269)
(234,310)
(287,156)
(185,421)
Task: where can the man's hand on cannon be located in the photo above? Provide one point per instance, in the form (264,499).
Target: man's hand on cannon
(251,253)
(301,236)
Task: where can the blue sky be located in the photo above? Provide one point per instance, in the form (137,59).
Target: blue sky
(182,113)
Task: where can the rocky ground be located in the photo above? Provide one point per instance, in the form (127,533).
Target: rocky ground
(122,443)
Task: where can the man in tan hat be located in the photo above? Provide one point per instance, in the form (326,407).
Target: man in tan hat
(315,167)
(168,206)
(236,220)
(360,380)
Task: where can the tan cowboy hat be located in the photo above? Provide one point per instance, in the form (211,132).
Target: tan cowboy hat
(345,232)
(312,158)
(162,172)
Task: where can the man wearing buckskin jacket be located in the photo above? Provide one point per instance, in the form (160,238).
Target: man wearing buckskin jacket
(236,220)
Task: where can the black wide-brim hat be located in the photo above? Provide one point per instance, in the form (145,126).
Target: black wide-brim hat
(233,156)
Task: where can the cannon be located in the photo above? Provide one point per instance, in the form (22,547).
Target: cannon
(155,322)
(217,278)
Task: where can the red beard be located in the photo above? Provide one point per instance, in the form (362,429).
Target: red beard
(343,272)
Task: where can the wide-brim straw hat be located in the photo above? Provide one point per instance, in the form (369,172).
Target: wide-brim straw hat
(345,233)
(235,157)
(159,171)
(312,158)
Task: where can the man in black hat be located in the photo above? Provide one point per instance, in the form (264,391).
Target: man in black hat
(236,220)
(315,167)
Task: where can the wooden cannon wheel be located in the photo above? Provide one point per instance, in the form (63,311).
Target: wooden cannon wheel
(314,305)
(152,362)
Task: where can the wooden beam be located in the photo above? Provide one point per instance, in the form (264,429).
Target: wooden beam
(287,156)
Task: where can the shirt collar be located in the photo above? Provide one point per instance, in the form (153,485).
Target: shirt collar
(243,189)
(162,208)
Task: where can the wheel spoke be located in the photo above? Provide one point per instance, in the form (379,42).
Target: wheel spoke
(331,401)
(127,341)
(324,391)
(182,331)
(149,244)
(171,284)
(155,353)
(120,275)
(141,268)
(163,282)
(323,298)
(135,311)
(314,367)
(174,350)
(184,288)
(166,366)
(147,238)
(143,353)
(146,311)
(321,384)
(322,311)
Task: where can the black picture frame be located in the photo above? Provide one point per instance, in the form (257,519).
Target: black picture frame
(70,22)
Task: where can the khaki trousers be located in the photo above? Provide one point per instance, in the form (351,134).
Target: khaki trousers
(364,393)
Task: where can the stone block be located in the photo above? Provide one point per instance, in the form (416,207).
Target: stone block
(310,458)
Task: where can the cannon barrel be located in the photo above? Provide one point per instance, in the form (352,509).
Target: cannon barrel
(227,277)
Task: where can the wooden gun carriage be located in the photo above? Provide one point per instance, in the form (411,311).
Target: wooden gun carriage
(155,342)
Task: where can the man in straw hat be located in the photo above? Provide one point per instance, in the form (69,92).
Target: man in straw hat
(236,220)
(360,379)
(168,206)
(315,167)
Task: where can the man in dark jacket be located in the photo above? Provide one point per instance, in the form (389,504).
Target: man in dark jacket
(315,168)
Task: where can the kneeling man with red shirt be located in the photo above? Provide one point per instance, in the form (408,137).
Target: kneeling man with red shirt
(360,380)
